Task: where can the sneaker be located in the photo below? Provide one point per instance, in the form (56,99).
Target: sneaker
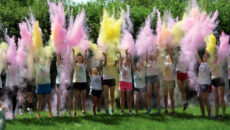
(83,112)
(107,112)
(148,111)
(75,114)
(38,116)
(173,114)
(112,111)
(158,112)
(50,115)
(69,114)
(21,112)
(218,117)
(98,110)
(122,113)
(130,113)
(166,112)
(57,114)
(13,115)
(30,110)
(185,106)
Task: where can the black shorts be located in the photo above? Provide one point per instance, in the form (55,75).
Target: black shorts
(68,87)
(80,86)
(217,82)
(109,82)
(203,88)
(28,88)
(96,93)
(11,91)
(154,79)
(1,92)
(140,90)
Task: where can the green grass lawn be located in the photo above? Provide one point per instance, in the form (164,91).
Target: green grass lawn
(188,120)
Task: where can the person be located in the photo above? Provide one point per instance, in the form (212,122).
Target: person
(228,61)
(12,85)
(140,88)
(25,89)
(79,81)
(43,85)
(204,84)
(108,83)
(152,79)
(95,86)
(62,89)
(218,85)
(125,82)
(182,80)
(168,81)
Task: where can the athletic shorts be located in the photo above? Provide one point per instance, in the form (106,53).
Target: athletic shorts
(182,76)
(125,86)
(217,82)
(168,84)
(109,82)
(204,88)
(68,87)
(80,86)
(152,79)
(140,90)
(11,91)
(43,89)
(96,93)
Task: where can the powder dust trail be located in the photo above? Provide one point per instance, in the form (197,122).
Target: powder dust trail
(223,50)
(37,37)
(11,51)
(210,41)
(3,50)
(21,55)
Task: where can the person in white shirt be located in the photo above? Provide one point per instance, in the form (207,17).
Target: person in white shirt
(80,81)
(152,79)
(218,85)
(43,84)
(95,86)
(140,88)
(125,82)
(204,84)
(168,81)
(108,83)
(59,89)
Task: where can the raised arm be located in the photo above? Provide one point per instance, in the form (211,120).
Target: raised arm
(147,57)
(127,57)
(86,57)
(90,69)
(170,54)
(121,60)
(74,57)
(100,68)
(105,61)
(58,59)
(198,58)
(132,64)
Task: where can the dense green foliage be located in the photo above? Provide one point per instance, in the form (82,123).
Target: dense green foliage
(14,11)
(189,120)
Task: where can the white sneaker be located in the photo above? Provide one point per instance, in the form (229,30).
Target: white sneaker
(30,110)
(122,113)
(69,114)
(130,113)
(21,112)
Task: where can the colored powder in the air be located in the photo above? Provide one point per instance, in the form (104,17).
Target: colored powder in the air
(210,41)
(3,49)
(223,50)
(37,37)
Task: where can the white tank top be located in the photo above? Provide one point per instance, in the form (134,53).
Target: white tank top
(43,74)
(181,67)
(152,68)
(95,82)
(59,69)
(217,70)
(79,75)
(168,71)
(125,74)
(107,73)
(139,79)
(204,74)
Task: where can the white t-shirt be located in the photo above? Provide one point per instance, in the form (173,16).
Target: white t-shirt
(107,73)
(217,70)
(79,75)
(43,74)
(59,69)
(181,67)
(95,82)
(152,68)
(139,79)
(125,74)
(204,74)
(168,71)
(12,76)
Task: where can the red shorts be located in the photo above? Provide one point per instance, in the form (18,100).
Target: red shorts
(182,76)
(125,86)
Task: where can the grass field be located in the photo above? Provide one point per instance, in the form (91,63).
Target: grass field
(190,119)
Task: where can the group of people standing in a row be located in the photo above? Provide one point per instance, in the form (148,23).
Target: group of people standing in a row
(141,77)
